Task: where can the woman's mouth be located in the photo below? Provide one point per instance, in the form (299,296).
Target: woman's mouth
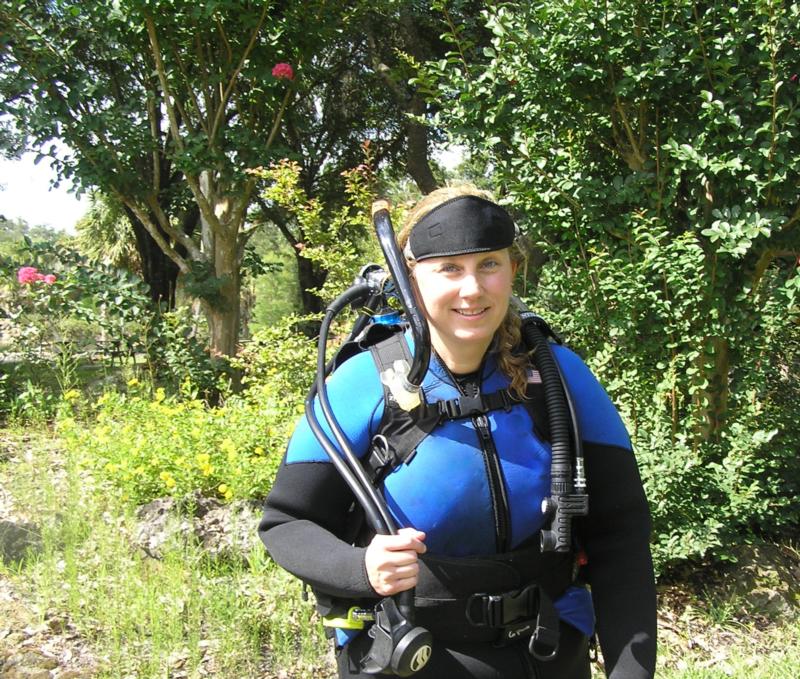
(470,313)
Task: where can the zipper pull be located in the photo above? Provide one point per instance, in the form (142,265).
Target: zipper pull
(482,423)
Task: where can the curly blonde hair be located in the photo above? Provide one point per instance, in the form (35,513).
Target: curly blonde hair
(507,338)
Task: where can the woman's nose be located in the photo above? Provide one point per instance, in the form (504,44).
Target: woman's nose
(470,285)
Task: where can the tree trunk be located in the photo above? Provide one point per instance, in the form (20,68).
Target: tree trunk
(715,396)
(309,278)
(223,314)
(417,162)
(158,271)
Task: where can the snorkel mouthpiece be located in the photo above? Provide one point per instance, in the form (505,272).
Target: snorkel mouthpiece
(396,380)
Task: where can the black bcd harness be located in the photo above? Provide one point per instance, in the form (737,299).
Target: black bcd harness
(527,579)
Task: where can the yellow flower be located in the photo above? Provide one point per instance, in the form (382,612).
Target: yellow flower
(222,488)
(160,395)
(259,450)
(166,477)
(71,395)
(133,382)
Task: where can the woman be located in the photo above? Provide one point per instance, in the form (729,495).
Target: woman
(470,497)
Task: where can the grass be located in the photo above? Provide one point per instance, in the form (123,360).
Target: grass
(187,615)
(147,617)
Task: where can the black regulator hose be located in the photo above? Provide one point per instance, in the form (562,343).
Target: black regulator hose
(567,493)
(399,647)
(346,463)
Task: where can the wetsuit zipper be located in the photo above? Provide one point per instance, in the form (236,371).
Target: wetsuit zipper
(497,488)
(491,461)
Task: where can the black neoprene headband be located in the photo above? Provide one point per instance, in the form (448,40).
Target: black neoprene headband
(461,226)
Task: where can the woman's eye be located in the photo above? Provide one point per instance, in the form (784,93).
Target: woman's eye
(448,268)
(490,264)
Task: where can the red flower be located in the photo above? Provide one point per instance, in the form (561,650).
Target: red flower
(27,275)
(283,71)
(30,274)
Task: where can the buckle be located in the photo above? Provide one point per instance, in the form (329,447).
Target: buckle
(471,405)
(502,610)
(449,408)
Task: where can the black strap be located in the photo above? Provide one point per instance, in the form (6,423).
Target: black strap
(528,612)
(494,599)
(386,352)
(469,406)
(402,431)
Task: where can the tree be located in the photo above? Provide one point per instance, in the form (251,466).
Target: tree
(651,149)
(143,91)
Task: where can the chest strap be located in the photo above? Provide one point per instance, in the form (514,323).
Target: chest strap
(402,431)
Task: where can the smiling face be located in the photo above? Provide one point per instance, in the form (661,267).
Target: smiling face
(465,298)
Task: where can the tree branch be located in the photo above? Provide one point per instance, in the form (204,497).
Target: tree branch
(144,218)
(232,82)
(191,180)
(176,234)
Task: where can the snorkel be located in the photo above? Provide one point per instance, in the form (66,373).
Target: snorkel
(399,647)
(404,382)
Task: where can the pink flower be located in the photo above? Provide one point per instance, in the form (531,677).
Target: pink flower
(30,274)
(27,275)
(283,71)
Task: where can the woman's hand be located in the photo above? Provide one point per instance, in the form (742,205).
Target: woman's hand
(391,561)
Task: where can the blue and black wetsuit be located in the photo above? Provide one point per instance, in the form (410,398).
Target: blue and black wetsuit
(475,486)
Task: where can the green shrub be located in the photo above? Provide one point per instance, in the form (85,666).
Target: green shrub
(154,445)
(163,446)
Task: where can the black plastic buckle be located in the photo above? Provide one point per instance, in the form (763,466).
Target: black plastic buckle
(449,409)
(502,610)
(471,405)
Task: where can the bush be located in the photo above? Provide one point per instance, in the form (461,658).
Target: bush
(148,445)
(148,448)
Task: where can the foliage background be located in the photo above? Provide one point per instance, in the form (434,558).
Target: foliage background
(650,151)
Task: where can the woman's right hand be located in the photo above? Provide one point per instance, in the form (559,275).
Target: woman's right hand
(392,561)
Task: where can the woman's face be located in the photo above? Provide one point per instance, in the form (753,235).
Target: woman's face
(465,298)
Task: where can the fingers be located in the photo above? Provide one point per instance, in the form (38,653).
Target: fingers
(413,537)
(391,561)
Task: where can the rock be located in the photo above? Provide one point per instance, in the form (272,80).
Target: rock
(160,523)
(18,540)
(765,577)
(226,531)
(229,532)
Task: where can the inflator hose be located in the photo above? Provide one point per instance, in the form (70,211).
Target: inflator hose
(346,463)
(399,646)
(567,499)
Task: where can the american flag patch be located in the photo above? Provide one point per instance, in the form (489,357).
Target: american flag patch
(533,376)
